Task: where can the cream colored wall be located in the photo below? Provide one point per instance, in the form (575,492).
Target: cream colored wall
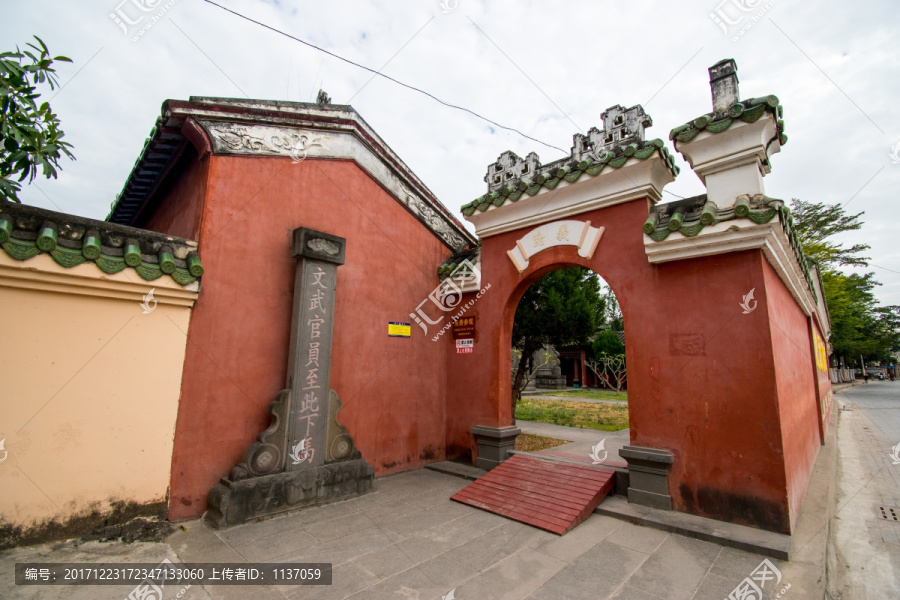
(89,387)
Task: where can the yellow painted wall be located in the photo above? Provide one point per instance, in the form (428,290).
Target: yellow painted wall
(89,387)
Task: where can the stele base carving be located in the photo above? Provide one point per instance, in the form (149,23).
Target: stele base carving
(260,486)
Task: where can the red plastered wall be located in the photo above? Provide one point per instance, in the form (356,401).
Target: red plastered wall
(236,361)
(702,374)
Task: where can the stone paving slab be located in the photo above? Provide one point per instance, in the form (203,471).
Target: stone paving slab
(457,469)
(424,549)
(750,539)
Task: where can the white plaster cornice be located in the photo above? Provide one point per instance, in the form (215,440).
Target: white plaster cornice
(334,133)
(41,273)
(741,143)
(635,179)
(734,161)
(734,236)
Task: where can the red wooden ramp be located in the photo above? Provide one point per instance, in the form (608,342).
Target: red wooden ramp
(553,496)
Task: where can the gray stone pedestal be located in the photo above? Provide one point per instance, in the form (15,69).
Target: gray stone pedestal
(494,444)
(648,472)
(233,502)
(261,486)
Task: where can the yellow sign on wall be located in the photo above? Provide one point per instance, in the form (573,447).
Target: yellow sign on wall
(398,329)
(821,352)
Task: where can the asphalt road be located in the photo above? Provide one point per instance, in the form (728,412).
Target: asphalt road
(880,402)
(866,547)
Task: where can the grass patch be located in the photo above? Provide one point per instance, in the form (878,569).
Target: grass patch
(571,413)
(533,443)
(590,394)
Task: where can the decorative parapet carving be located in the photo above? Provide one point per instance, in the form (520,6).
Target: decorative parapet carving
(510,168)
(261,139)
(273,128)
(434,221)
(620,143)
(621,127)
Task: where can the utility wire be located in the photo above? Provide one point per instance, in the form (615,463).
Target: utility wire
(388,77)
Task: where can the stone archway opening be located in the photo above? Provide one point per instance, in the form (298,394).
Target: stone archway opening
(567,339)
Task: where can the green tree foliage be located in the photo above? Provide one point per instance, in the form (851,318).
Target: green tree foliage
(563,308)
(859,326)
(817,223)
(30,137)
(607,343)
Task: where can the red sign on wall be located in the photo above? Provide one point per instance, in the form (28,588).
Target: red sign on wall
(464,328)
(465,346)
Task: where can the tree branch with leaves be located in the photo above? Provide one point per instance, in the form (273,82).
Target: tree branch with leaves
(859,326)
(610,369)
(30,135)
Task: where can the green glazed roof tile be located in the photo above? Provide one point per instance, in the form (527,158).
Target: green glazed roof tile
(26,231)
(690,216)
(749,111)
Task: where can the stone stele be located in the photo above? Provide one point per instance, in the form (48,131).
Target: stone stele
(305,457)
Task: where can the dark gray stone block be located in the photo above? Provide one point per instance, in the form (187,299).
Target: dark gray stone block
(494,444)
(236,502)
(318,245)
(648,474)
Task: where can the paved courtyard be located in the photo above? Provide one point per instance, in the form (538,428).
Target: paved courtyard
(407,540)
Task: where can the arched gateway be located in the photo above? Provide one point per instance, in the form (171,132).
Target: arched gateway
(725,315)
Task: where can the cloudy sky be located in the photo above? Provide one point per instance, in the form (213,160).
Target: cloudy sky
(547,69)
